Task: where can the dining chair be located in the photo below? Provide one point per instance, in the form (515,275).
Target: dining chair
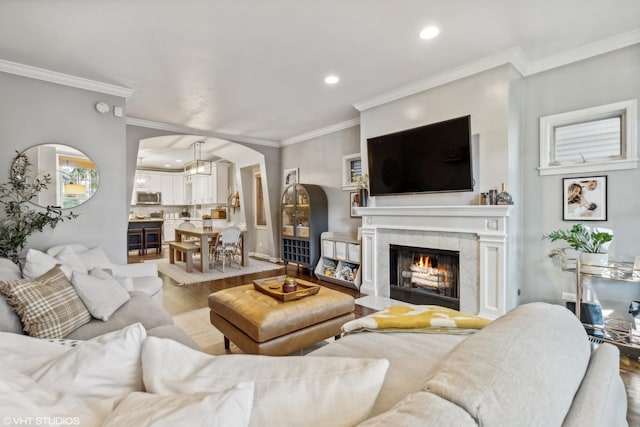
(227,246)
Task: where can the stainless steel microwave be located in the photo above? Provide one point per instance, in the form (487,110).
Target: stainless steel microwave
(148,198)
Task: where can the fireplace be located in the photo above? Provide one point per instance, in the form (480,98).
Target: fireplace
(424,275)
(484,236)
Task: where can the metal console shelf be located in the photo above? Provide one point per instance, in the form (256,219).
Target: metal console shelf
(615,331)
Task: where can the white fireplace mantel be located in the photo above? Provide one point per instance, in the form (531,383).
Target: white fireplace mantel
(481,233)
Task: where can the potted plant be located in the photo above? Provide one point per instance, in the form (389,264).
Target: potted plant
(19,220)
(592,244)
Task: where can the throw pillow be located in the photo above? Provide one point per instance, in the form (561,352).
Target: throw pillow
(24,402)
(100,293)
(94,257)
(125,282)
(68,257)
(75,247)
(231,408)
(48,306)
(9,270)
(37,263)
(300,391)
(104,367)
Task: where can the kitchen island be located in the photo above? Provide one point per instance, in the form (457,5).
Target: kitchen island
(145,233)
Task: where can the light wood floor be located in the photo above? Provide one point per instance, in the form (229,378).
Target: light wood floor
(180,299)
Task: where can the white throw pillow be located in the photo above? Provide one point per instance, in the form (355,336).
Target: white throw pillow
(125,282)
(229,408)
(75,247)
(27,354)
(104,367)
(38,263)
(292,391)
(68,257)
(22,398)
(9,270)
(94,257)
(100,293)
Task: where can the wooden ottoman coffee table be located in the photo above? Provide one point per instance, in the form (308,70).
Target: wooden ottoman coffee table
(260,324)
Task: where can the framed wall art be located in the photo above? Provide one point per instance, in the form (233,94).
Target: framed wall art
(584,198)
(291,176)
(354,202)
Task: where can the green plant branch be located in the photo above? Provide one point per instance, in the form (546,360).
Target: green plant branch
(19,221)
(581,239)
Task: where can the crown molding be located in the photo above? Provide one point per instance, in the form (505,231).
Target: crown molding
(584,52)
(483,64)
(321,132)
(514,56)
(63,79)
(131,121)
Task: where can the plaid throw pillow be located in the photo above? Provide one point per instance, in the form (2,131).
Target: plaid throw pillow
(48,306)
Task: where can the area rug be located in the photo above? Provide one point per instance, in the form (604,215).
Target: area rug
(197,325)
(179,273)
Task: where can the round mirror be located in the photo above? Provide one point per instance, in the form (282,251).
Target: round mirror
(72,175)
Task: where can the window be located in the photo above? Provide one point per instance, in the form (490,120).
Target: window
(590,140)
(351,171)
(261,219)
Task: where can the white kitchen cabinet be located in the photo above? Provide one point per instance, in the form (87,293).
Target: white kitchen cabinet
(173,189)
(155,182)
(219,183)
(167,190)
(178,189)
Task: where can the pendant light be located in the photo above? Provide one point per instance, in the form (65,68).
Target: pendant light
(142,177)
(197,166)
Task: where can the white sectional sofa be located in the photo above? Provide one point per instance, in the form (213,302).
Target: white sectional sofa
(532,367)
(140,280)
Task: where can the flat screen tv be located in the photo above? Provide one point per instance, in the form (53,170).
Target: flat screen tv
(427,159)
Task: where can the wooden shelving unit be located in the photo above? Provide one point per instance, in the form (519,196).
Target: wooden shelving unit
(304,218)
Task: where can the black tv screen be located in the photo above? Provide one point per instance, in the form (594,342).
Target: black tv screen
(431,158)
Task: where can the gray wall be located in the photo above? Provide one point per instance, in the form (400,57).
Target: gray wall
(320,163)
(35,112)
(601,80)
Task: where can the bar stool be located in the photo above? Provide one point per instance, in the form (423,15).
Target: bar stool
(135,240)
(153,239)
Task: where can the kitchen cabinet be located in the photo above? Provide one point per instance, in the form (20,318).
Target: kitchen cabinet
(173,189)
(209,189)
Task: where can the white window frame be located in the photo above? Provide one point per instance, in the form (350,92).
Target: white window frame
(347,183)
(626,109)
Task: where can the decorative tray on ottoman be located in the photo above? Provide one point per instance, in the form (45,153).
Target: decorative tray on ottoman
(272,286)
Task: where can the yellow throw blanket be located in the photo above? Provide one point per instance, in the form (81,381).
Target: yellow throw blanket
(420,318)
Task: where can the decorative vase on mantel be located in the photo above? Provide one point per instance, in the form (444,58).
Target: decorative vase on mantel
(364,195)
(590,262)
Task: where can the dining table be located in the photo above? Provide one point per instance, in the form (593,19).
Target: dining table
(207,236)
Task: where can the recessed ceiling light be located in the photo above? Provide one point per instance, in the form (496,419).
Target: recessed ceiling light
(178,161)
(429,33)
(331,79)
(167,166)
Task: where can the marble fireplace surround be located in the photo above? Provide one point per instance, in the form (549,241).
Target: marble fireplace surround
(479,233)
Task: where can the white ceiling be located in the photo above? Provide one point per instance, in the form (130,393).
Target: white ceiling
(255,68)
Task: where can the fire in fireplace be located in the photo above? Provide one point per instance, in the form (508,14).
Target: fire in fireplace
(425,276)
